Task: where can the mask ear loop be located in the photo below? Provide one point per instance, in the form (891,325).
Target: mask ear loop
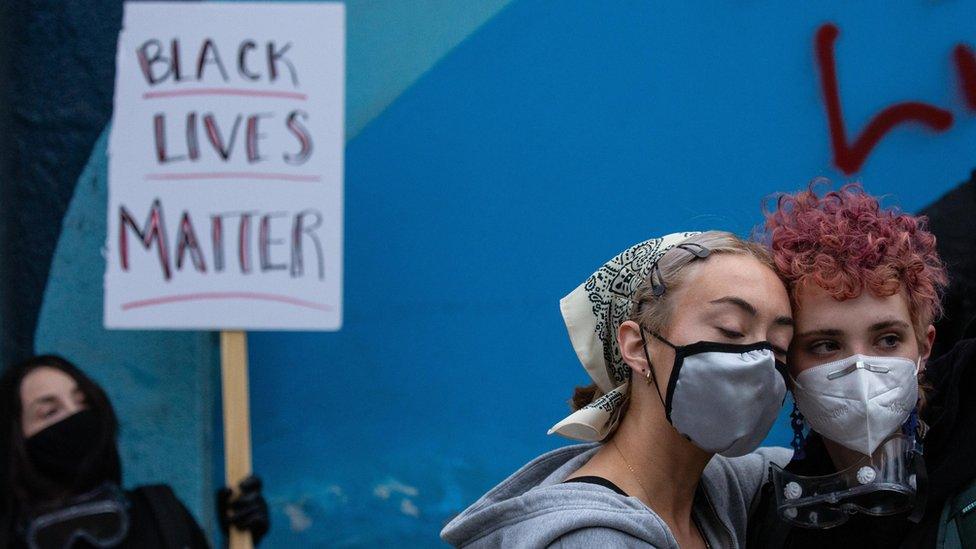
(912,426)
(650,368)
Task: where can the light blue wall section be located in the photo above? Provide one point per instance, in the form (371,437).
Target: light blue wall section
(391,43)
(162,384)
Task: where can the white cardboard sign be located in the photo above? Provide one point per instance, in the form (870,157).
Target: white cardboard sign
(226,167)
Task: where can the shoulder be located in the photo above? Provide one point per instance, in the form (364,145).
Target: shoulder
(765,528)
(961,354)
(743,476)
(160,510)
(733,484)
(537,514)
(156,498)
(952,373)
(547,513)
(157,501)
(596,536)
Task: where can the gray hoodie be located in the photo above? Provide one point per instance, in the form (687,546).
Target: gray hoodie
(534,508)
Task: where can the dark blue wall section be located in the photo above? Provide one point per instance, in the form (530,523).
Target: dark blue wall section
(552,138)
(56,82)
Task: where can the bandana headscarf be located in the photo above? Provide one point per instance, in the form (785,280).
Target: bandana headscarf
(593,312)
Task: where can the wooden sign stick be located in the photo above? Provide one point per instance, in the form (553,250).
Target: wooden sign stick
(237,423)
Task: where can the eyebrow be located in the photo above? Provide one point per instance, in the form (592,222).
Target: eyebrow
(886,324)
(750,308)
(877,326)
(829,332)
(48,399)
(738,302)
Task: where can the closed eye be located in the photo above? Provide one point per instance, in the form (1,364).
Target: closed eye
(731,334)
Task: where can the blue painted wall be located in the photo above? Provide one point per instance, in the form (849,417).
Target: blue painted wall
(552,138)
(164,385)
(485,179)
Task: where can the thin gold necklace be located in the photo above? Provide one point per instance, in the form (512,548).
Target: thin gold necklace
(694,520)
(632,471)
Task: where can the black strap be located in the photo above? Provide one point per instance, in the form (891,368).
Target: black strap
(600,481)
(921,490)
(168,512)
(650,369)
(765,527)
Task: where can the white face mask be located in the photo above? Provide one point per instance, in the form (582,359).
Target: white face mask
(859,400)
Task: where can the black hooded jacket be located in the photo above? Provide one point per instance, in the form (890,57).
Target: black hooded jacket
(950,458)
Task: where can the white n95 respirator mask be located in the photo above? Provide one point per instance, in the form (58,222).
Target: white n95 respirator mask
(858,401)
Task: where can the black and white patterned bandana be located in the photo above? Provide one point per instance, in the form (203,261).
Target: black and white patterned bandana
(593,312)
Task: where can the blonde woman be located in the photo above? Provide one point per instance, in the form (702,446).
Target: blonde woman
(683,337)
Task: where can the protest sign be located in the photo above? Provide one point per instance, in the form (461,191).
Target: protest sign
(225,167)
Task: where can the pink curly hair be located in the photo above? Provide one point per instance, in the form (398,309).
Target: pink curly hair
(844,242)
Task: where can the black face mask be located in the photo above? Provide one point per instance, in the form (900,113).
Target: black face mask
(60,451)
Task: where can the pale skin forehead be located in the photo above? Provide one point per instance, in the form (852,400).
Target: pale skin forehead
(43,382)
(818,310)
(737,275)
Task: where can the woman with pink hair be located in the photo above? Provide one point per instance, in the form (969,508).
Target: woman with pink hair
(884,439)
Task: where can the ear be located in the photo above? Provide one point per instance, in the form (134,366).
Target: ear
(925,347)
(632,347)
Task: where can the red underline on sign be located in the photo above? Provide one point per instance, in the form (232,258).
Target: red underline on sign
(225,91)
(231,175)
(162,300)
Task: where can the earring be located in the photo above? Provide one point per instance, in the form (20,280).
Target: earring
(647,375)
(799,439)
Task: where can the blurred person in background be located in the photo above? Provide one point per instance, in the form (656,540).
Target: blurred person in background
(60,473)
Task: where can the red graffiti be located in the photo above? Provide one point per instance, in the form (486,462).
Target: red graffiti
(966,65)
(850,156)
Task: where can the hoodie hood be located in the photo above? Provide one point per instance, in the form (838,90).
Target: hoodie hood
(534,508)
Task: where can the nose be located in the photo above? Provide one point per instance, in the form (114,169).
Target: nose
(860,349)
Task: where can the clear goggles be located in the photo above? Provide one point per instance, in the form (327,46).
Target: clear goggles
(99,517)
(884,483)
